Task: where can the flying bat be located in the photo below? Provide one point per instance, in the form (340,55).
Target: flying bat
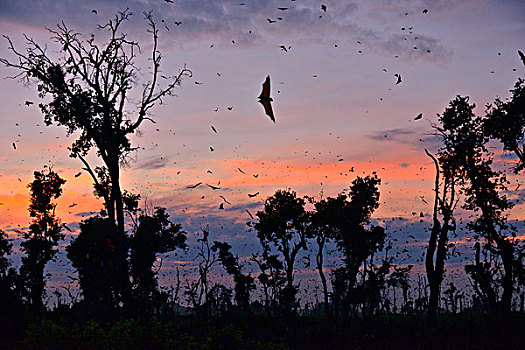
(194,186)
(225,200)
(28,103)
(241,170)
(14,145)
(253,195)
(522,56)
(419,116)
(213,187)
(323,7)
(78,174)
(398,78)
(266,100)
(213,128)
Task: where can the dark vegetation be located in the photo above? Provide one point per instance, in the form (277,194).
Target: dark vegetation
(122,306)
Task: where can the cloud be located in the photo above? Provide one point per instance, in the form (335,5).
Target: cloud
(152,162)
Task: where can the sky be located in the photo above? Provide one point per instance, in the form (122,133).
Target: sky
(339,112)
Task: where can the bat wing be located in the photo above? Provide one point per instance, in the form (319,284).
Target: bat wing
(519,52)
(265,89)
(268,109)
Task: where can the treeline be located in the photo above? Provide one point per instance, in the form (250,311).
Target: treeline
(86,91)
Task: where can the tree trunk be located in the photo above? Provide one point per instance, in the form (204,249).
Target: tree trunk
(319,259)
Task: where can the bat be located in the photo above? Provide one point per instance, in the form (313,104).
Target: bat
(253,195)
(419,116)
(78,174)
(14,145)
(266,100)
(225,200)
(213,187)
(323,7)
(194,186)
(522,56)
(213,128)
(398,78)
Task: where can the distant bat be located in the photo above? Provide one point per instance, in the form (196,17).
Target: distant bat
(253,195)
(29,103)
(249,213)
(194,186)
(284,48)
(241,171)
(213,128)
(425,11)
(213,187)
(323,7)
(398,76)
(522,56)
(419,116)
(270,20)
(212,149)
(282,8)
(14,145)
(266,100)
(221,206)
(94,11)
(225,200)
(78,174)
(179,23)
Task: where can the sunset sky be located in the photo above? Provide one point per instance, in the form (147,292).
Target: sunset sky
(336,103)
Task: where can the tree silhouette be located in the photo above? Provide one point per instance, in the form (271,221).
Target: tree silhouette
(350,217)
(89,86)
(505,121)
(43,236)
(463,137)
(92,254)
(272,278)
(443,222)
(244,284)
(154,235)
(282,224)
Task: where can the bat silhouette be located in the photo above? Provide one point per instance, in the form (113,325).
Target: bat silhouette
(213,187)
(78,174)
(253,195)
(522,56)
(266,100)
(194,186)
(241,170)
(398,76)
(225,200)
(419,116)
(213,128)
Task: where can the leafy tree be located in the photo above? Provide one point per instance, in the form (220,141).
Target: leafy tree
(244,284)
(464,140)
(282,224)
(353,233)
(45,232)
(154,235)
(505,121)
(5,249)
(90,86)
(92,254)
